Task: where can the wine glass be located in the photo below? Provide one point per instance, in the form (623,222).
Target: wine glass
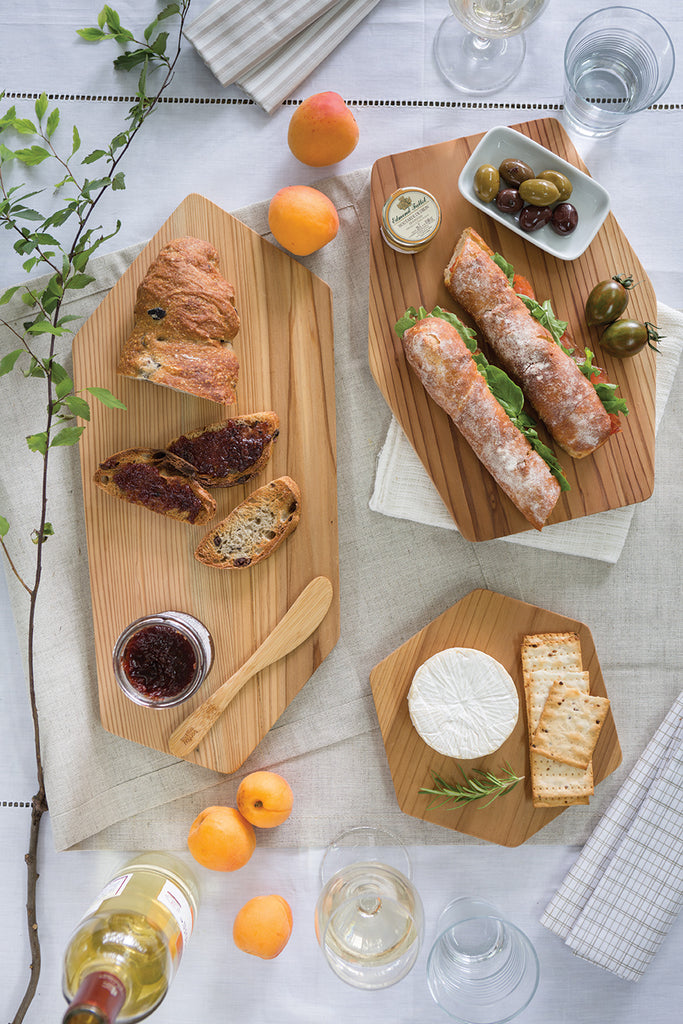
(481,49)
(369,918)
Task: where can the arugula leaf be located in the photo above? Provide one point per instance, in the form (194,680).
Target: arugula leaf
(543,312)
(508,394)
(506,267)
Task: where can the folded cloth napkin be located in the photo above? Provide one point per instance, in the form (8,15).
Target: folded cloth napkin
(622,895)
(269,47)
(404,490)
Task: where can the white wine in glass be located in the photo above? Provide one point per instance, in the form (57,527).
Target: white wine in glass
(369,917)
(482,48)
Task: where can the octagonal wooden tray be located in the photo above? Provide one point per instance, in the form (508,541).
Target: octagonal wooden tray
(141,562)
(495,624)
(622,471)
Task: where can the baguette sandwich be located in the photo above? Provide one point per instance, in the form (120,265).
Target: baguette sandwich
(574,407)
(444,356)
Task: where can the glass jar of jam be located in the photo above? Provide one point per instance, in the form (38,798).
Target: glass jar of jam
(411,218)
(161,660)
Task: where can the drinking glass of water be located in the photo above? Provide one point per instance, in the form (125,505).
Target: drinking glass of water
(617,61)
(481,969)
(369,916)
(480,47)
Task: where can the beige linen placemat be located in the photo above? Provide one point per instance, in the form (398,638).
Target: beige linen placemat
(395,577)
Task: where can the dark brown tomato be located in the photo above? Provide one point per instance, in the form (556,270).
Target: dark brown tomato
(608,300)
(625,338)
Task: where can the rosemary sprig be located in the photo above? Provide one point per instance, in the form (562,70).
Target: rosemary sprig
(475,787)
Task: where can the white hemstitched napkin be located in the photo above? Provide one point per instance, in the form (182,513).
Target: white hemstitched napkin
(269,48)
(619,900)
(404,490)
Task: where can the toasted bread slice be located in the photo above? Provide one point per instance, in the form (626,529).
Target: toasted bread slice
(229,452)
(144,476)
(255,528)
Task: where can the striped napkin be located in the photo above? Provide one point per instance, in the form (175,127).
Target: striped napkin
(268,47)
(404,490)
(622,895)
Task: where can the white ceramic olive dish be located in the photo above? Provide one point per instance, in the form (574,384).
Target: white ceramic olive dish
(589,198)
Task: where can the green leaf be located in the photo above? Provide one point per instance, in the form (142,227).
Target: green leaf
(93,35)
(64,387)
(5,153)
(112,18)
(131,59)
(6,296)
(41,106)
(66,437)
(118,181)
(76,144)
(79,281)
(506,267)
(96,154)
(24,126)
(48,531)
(159,44)
(31,156)
(7,362)
(4,527)
(78,406)
(45,327)
(168,11)
(52,122)
(37,442)
(25,214)
(106,398)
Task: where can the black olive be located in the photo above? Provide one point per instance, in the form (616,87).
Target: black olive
(564,219)
(509,200)
(534,217)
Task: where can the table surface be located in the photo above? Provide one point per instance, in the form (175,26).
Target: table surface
(216,143)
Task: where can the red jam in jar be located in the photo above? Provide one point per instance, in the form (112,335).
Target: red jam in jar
(161,660)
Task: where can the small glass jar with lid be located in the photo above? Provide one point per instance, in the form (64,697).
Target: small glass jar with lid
(411,217)
(160,660)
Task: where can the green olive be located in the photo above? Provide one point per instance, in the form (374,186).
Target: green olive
(539,192)
(515,171)
(561,183)
(486,183)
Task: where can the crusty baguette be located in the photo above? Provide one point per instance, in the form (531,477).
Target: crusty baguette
(144,476)
(230,452)
(564,399)
(255,528)
(446,369)
(185,318)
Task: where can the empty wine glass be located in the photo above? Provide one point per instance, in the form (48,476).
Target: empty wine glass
(480,47)
(369,917)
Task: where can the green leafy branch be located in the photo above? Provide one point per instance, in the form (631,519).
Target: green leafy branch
(478,786)
(60,241)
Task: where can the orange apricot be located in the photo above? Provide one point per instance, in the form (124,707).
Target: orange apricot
(322,130)
(302,219)
(221,839)
(265,799)
(263,926)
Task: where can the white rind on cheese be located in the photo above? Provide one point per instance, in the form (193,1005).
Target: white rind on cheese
(463,703)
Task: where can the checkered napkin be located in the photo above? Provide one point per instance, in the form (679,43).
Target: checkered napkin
(268,47)
(622,895)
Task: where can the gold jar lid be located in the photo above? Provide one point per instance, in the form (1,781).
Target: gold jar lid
(411,217)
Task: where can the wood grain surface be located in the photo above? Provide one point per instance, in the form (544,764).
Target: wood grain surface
(495,624)
(622,471)
(141,562)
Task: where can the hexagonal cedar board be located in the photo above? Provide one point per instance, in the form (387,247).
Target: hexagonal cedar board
(141,562)
(496,625)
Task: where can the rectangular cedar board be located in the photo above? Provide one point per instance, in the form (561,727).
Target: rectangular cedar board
(622,471)
(495,624)
(141,562)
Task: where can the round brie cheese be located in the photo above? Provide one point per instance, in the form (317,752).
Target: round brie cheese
(463,703)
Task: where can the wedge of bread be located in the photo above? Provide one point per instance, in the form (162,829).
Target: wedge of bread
(255,528)
(185,318)
(230,452)
(144,476)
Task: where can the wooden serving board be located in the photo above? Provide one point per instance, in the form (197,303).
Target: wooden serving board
(141,562)
(495,624)
(622,471)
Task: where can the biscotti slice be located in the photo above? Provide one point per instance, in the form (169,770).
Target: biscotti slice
(143,476)
(230,452)
(255,528)
(570,725)
(185,318)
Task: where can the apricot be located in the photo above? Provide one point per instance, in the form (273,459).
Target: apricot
(265,799)
(221,839)
(322,130)
(302,219)
(263,926)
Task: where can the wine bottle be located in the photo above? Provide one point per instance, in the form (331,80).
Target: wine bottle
(125,951)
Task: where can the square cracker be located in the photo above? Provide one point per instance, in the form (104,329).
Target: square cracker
(569,725)
(549,658)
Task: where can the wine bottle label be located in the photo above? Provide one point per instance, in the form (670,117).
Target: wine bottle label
(113,888)
(176,902)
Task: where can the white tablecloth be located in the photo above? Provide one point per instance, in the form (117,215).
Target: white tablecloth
(213,141)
